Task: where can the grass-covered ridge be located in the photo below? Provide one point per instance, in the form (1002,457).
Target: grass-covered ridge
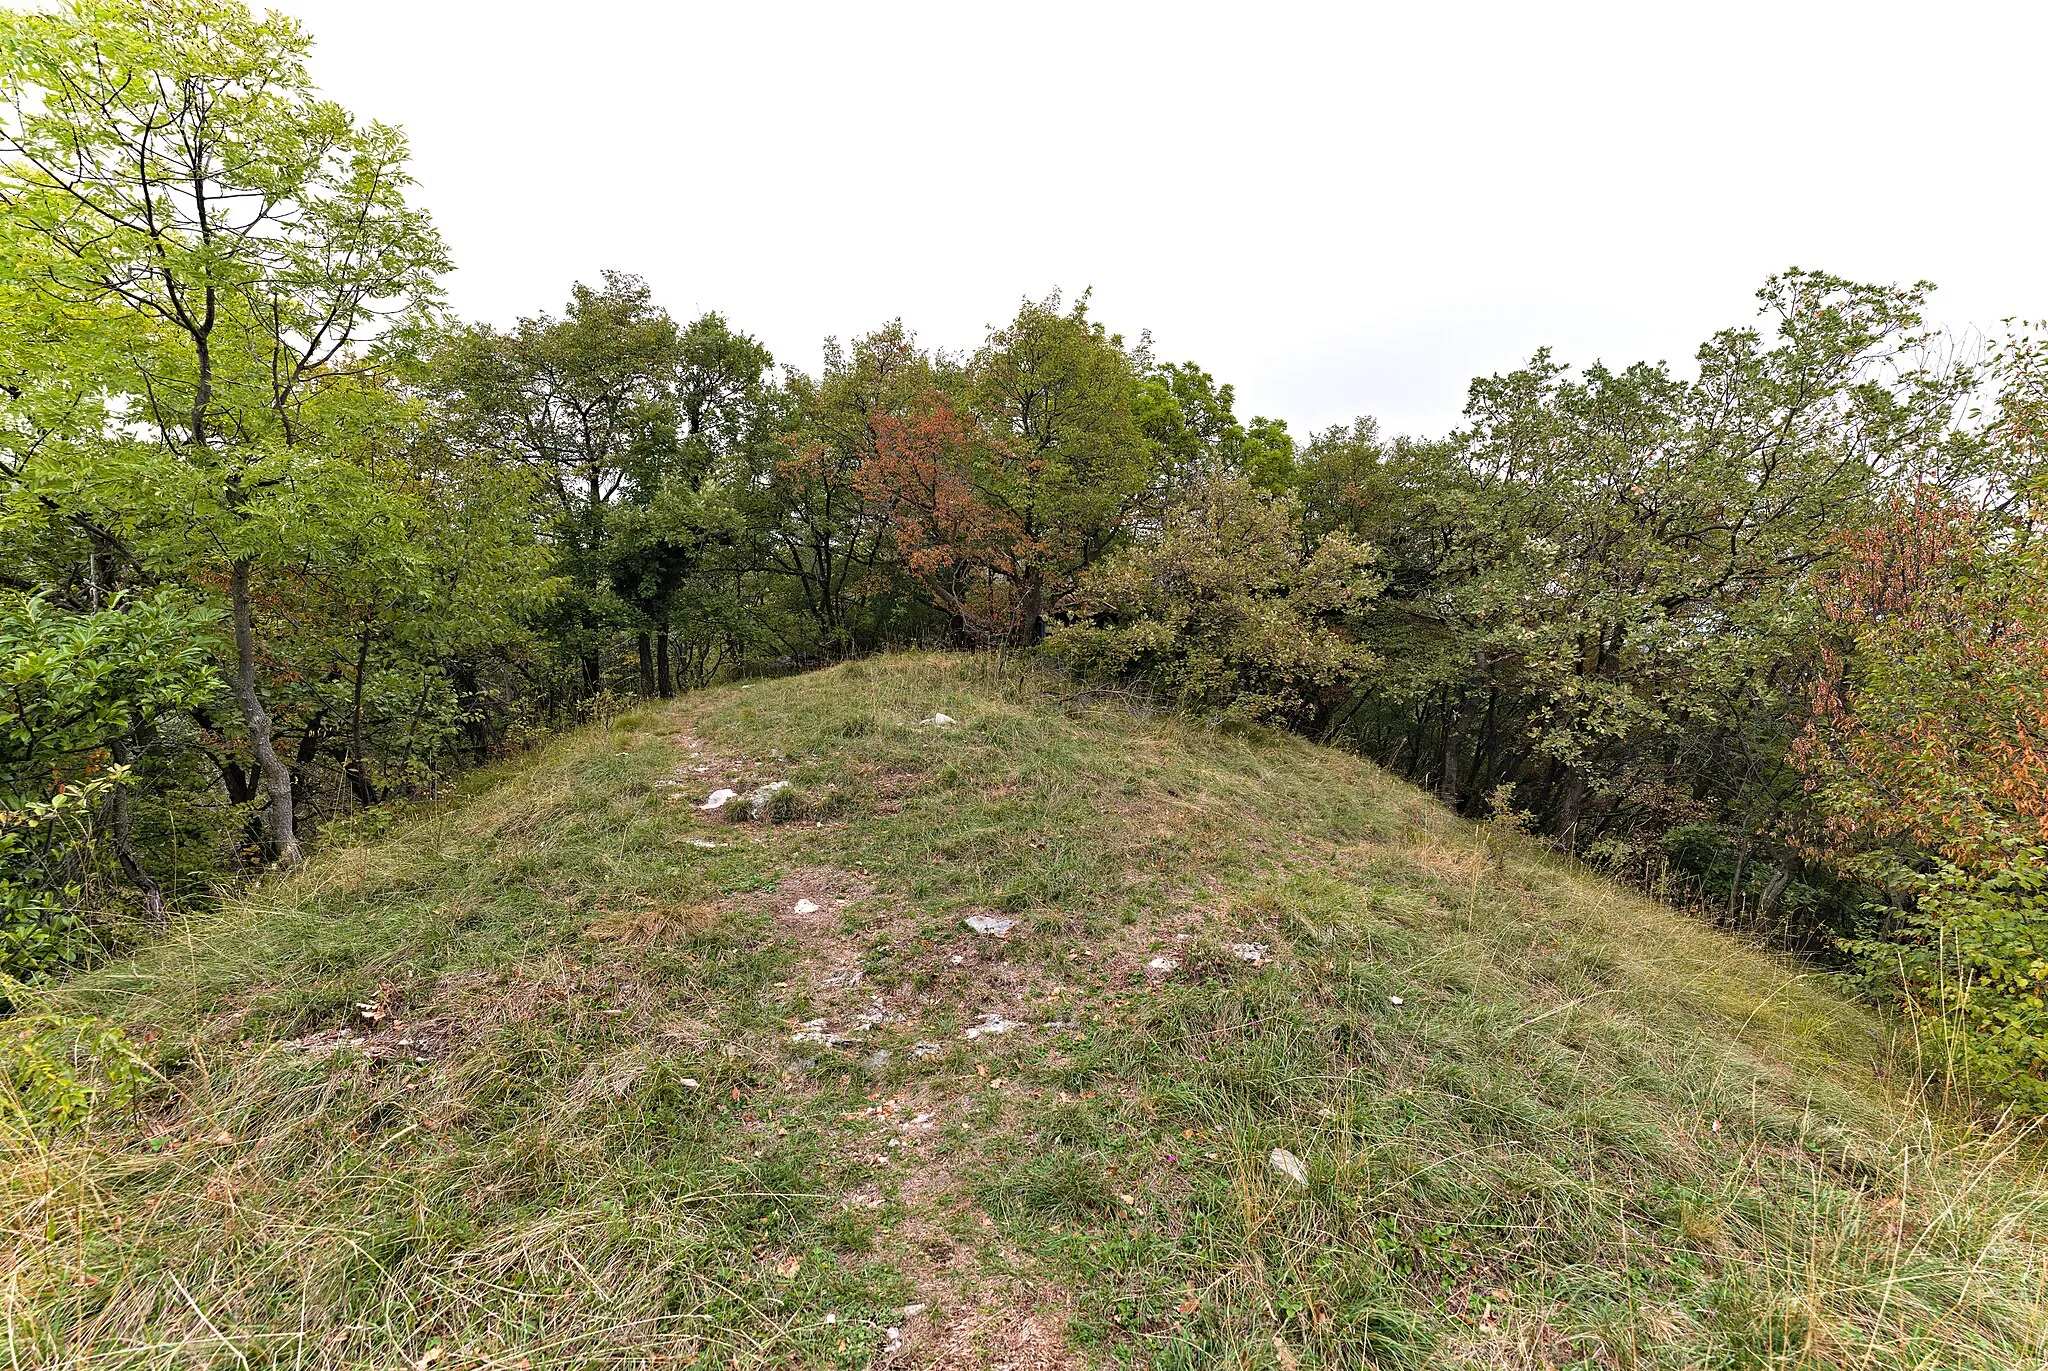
(607,1099)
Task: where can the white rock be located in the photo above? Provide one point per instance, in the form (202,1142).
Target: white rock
(990,1025)
(991,924)
(1249,952)
(939,720)
(1393,999)
(1162,966)
(805,907)
(719,799)
(705,843)
(1289,1165)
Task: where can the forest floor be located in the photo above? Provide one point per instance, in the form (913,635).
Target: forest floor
(1279,1066)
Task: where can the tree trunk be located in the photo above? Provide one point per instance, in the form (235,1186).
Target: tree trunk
(645,642)
(1568,806)
(277,780)
(124,847)
(356,768)
(1447,780)
(1033,618)
(664,680)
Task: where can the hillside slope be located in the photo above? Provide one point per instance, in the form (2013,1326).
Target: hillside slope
(572,1073)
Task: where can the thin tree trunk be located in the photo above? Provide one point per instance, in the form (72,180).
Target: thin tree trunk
(1568,807)
(645,642)
(1034,609)
(1447,780)
(357,768)
(124,846)
(277,779)
(664,679)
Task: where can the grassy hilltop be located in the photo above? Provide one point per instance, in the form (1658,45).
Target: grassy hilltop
(560,1076)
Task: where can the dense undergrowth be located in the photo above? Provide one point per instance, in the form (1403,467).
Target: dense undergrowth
(568,1072)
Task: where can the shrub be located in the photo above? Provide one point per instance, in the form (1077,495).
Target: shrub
(1969,963)
(56,1069)
(1225,611)
(46,857)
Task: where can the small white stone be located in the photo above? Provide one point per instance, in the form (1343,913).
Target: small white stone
(719,798)
(1289,1165)
(1249,952)
(991,925)
(805,907)
(1393,999)
(990,1024)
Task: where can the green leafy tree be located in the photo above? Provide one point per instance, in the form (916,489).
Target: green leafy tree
(1192,420)
(1600,587)
(1071,464)
(589,402)
(679,518)
(236,241)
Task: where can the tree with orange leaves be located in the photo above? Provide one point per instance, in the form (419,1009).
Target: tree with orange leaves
(967,549)
(1930,722)
(1928,749)
(999,498)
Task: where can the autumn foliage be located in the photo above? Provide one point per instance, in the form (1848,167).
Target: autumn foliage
(1930,707)
(970,552)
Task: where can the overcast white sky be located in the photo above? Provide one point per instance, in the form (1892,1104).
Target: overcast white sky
(1344,209)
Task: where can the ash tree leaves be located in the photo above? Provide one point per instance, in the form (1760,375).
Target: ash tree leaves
(73,685)
(239,243)
(229,533)
(1601,584)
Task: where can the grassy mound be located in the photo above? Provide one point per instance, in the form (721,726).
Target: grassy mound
(1279,1066)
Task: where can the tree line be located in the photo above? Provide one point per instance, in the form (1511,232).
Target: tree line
(282,540)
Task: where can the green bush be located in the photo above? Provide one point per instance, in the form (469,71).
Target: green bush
(1225,611)
(1969,963)
(57,1069)
(46,855)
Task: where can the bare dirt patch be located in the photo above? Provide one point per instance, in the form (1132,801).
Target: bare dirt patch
(415,1041)
(1012,1330)
(705,769)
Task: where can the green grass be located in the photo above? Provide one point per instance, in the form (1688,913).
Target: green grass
(1545,1122)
